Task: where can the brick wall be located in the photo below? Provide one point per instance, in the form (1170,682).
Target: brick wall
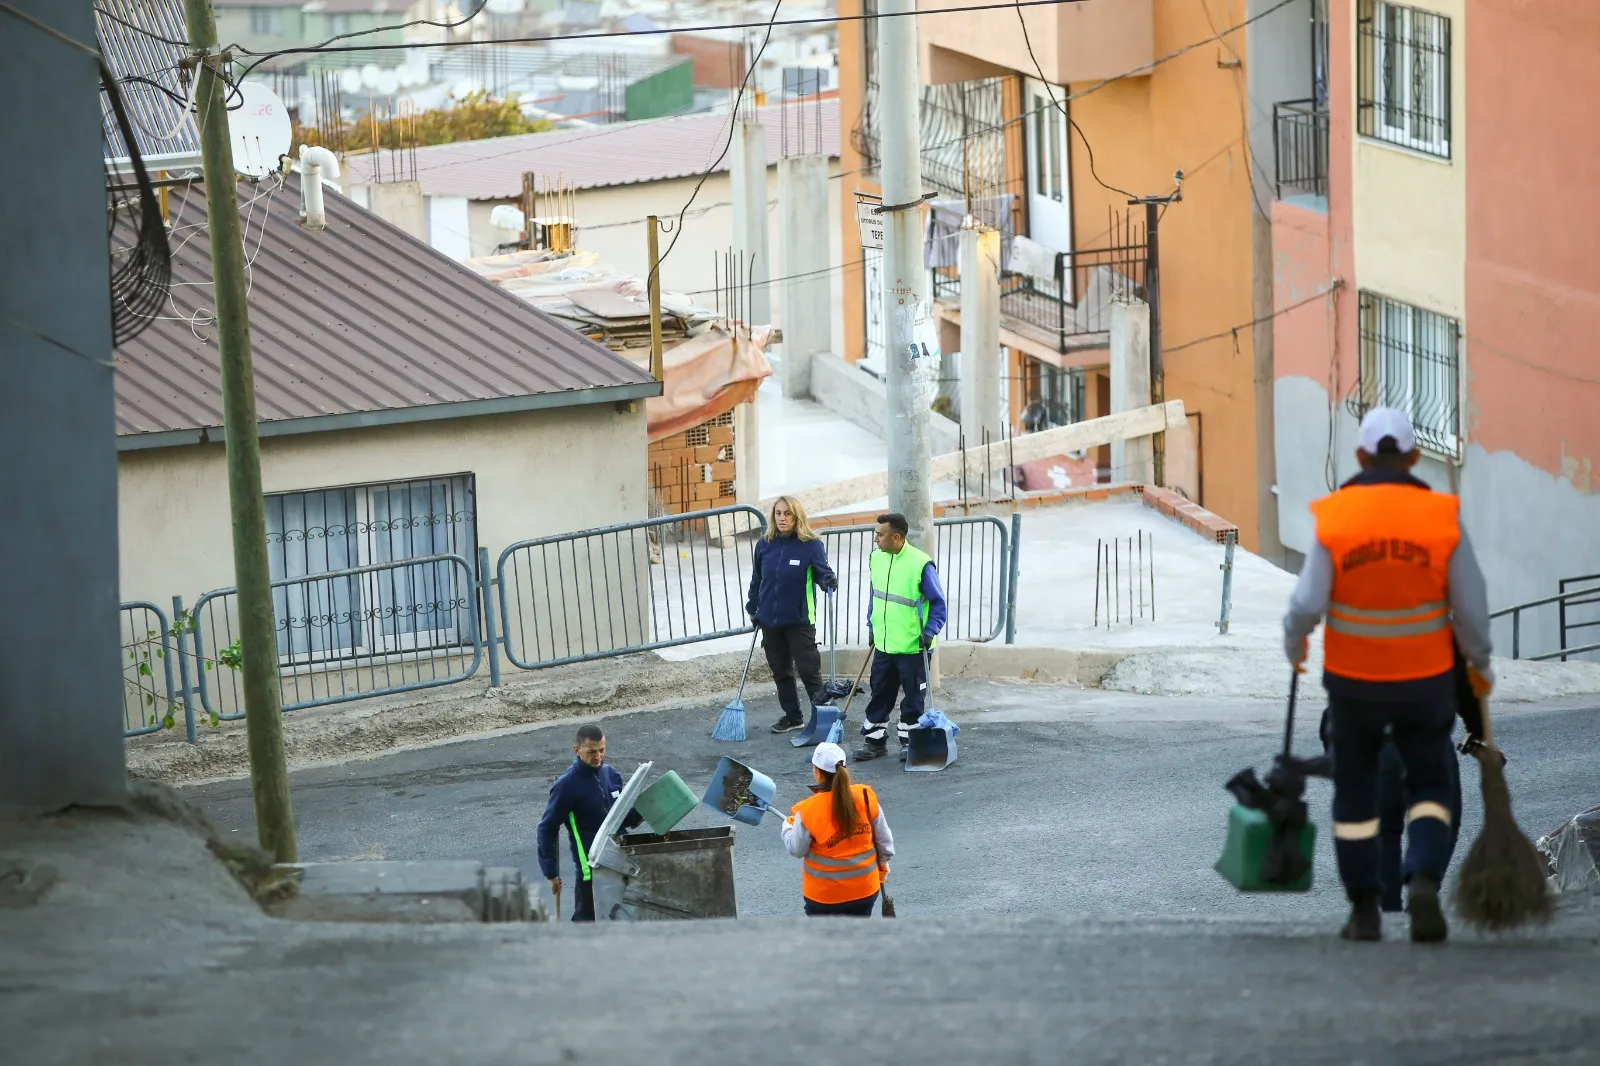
(693,470)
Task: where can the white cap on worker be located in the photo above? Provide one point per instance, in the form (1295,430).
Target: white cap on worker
(828,757)
(1381,422)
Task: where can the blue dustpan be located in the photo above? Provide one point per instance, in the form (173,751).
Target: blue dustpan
(931,748)
(823,721)
(758,793)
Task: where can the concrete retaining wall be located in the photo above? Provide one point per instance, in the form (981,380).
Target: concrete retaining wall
(858,397)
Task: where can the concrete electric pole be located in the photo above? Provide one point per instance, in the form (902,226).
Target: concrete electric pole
(911,377)
(269,778)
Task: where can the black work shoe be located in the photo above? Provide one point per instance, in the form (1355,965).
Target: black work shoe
(869,751)
(788,724)
(1366,921)
(1427,917)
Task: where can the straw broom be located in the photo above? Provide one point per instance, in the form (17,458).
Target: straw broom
(1502,884)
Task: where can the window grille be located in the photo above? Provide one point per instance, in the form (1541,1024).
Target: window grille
(1403,76)
(396,608)
(1411,360)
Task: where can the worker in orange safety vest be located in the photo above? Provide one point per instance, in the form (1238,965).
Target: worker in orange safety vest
(842,839)
(1394,575)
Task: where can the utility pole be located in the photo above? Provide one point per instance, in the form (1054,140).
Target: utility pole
(1153,206)
(658,368)
(269,778)
(911,380)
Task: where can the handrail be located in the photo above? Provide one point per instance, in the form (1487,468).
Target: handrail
(1515,611)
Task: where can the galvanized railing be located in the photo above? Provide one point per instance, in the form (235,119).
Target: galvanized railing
(1564,599)
(348,634)
(150,700)
(633,587)
(973,557)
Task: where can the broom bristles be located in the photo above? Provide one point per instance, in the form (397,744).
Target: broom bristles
(730,724)
(1502,884)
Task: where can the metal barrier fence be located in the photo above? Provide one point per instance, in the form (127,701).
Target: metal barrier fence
(1564,600)
(348,634)
(149,698)
(627,588)
(973,556)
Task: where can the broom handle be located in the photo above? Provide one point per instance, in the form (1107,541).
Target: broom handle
(1488,730)
(1288,723)
(748,659)
(859,675)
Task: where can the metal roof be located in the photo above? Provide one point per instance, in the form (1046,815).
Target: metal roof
(356,325)
(143,39)
(626,153)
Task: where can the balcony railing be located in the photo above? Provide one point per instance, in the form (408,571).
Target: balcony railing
(1300,144)
(1074,307)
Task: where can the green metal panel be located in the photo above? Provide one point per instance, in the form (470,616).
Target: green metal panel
(666,92)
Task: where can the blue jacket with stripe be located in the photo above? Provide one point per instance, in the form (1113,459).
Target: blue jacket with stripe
(585,794)
(785,571)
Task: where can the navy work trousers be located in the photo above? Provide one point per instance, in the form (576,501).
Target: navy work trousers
(1421,732)
(1392,818)
(894,675)
(856,908)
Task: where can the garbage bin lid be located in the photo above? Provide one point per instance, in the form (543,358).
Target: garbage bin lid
(602,845)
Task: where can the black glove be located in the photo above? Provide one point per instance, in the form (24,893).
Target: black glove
(926,642)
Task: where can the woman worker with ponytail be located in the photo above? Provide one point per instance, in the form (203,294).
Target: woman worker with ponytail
(842,839)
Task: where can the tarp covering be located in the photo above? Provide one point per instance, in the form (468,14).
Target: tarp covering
(707,375)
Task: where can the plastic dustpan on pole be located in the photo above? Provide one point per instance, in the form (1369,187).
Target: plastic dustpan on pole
(739,792)
(931,743)
(836,687)
(824,720)
(1270,838)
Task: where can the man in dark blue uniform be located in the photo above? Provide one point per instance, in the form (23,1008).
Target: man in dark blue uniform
(580,800)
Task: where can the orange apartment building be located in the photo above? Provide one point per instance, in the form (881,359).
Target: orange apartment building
(995,142)
(1434,251)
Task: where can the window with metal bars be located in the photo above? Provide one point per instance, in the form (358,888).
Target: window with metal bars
(394,607)
(1403,76)
(1411,360)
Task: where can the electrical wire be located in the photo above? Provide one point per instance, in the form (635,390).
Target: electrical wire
(135,27)
(1062,107)
(51,31)
(1233,331)
(733,126)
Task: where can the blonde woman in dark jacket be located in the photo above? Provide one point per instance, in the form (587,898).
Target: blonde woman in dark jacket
(790,564)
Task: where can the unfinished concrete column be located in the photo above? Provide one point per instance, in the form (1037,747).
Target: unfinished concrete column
(807,318)
(1131,460)
(748,177)
(980,334)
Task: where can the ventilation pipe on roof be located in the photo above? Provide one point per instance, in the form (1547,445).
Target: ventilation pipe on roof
(315,163)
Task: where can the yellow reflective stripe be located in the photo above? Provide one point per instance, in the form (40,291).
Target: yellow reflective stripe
(583,855)
(1428,809)
(1387,630)
(1367,830)
(1402,612)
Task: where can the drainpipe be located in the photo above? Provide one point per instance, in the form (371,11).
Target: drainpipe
(315,163)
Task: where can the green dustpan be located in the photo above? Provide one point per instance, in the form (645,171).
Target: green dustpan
(1253,858)
(666,802)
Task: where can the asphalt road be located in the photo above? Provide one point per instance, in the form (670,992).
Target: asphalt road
(1063,800)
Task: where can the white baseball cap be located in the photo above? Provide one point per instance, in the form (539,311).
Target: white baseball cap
(1381,422)
(828,757)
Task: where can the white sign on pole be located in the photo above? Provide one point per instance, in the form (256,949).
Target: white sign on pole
(870,218)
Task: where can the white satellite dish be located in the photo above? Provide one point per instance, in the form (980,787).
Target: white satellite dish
(388,82)
(350,81)
(258,127)
(508,218)
(369,75)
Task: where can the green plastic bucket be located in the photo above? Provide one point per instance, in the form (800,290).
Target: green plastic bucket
(665,803)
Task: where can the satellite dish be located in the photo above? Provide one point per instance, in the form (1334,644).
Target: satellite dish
(369,75)
(259,130)
(388,82)
(505,7)
(350,81)
(508,218)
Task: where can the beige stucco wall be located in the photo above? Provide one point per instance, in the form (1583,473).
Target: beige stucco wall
(537,473)
(1410,209)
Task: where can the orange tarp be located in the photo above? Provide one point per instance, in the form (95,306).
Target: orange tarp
(708,375)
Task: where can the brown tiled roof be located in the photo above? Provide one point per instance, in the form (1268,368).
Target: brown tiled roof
(626,153)
(358,324)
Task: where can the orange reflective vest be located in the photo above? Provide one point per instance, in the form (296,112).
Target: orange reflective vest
(839,867)
(1389,613)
